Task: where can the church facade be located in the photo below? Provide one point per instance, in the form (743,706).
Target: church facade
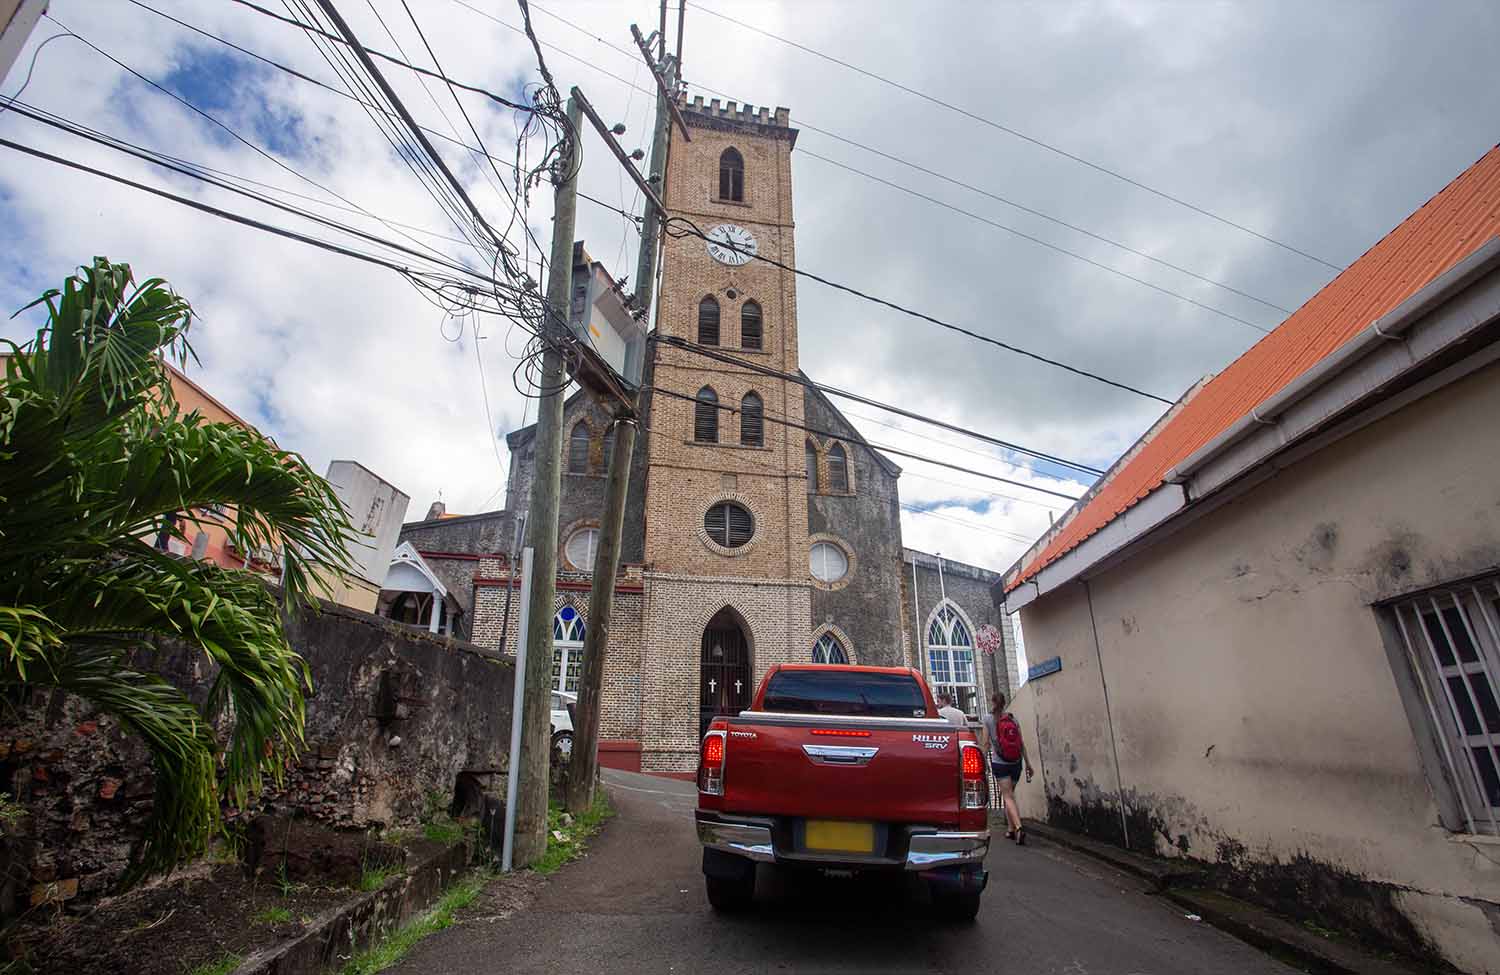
(749,541)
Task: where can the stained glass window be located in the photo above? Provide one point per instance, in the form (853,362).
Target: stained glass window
(950,658)
(828,650)
(567,649)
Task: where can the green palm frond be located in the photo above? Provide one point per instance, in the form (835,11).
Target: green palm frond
(96,455)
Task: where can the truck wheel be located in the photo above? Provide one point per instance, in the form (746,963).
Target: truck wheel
(962,907)
(730,894)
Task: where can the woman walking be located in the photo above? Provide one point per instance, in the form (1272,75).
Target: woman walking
(1007,756)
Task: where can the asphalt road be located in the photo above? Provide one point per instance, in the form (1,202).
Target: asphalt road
(636,904)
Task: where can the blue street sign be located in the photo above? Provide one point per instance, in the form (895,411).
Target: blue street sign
(1049,666)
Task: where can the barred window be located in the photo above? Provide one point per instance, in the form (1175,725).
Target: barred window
(578,449)
(706,416)
(752,426)
(732,176)
(728,524)
(1452,640)
(838,469)
(750,325)
(708,321)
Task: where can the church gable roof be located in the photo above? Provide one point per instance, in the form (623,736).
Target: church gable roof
(848,431)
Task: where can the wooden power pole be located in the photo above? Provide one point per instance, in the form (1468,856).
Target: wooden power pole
(583,768)
(541,519)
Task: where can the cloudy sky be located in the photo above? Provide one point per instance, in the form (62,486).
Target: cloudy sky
(1320,125)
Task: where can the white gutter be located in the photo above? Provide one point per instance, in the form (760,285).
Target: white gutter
(1389,347)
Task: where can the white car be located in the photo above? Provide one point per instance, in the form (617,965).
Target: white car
(562,724)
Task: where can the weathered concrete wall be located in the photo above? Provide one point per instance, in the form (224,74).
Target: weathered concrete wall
(866,524)
(396,715)
(1257,717)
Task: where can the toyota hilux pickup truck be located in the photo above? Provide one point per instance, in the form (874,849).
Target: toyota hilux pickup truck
(843,769)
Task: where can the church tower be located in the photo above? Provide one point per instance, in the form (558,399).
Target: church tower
(726,525)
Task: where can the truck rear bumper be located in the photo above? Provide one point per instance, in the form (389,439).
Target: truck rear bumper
(925,851)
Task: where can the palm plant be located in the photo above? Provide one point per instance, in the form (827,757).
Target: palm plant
(95,459)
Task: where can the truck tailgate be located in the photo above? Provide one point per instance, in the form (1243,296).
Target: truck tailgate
(842,768)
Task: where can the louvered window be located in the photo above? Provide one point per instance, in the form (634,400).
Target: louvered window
(706,416)
(750,327)
(728,524)
(708,321)
(811,455)
(609,447)
(838,469)
(578,449)
(752,425)
(732,176)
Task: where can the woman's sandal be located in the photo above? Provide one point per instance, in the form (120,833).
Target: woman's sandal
(1021,836)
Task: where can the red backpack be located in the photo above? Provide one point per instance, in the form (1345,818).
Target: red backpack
(1008,738)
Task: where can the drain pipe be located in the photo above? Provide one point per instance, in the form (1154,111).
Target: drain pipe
(1108,716)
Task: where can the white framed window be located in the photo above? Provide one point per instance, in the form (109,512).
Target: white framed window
(950,658)
(828,562)
(581,548)
(567,650)
(828,650)
(1452,640)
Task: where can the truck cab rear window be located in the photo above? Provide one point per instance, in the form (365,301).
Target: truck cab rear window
(844,692)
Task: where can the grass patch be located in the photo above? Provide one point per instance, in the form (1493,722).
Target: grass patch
(223,966)
(443,831)
(394,947)
(566,842)
(374,876)
(274,915)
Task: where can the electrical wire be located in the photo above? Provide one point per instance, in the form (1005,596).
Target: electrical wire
(1021,135)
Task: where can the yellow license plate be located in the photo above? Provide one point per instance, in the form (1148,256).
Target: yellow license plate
(842,837)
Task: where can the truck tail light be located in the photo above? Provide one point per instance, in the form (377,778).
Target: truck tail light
(974,788)
(711,764)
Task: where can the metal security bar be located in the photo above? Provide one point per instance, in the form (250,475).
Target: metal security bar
(1452,639)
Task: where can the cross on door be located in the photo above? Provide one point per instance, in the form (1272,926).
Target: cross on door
(713,685)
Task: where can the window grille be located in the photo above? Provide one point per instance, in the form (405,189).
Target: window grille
(750,326)
(708,321)
(578,449)
(728,524)
(811,456)
(1452,639)
(828,650)
(752,427)
(950,659)
(828,562)
(567,650)
(706,416)
(838,469)
(732,176)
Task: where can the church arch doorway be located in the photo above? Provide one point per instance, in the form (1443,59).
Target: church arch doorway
(724,682)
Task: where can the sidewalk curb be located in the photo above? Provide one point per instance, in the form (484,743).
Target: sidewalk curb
(1183,886)
(340,931)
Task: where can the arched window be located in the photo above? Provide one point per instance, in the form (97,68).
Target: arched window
(828,650)
(752,425)
(950,658)
(609,446)
(838,469)
(706,416)
(728,524)
(578,449)
(810,453)
(567,650)
(750,326)
(708,321)
(732,176)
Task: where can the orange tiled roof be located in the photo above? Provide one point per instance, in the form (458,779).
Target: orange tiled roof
(1447,228)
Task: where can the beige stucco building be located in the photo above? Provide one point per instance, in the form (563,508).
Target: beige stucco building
(1278,619)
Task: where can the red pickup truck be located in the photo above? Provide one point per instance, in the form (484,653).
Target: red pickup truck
(843,769)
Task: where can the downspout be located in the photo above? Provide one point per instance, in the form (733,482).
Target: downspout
(1108,715)
(916,619)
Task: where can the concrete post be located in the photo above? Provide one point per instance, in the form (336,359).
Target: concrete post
(541,523)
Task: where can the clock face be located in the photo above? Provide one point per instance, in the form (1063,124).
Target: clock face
(731,245)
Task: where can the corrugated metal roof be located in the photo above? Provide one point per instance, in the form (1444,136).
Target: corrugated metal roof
(1447,228)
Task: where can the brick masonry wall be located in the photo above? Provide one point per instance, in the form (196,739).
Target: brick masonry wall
(777,620)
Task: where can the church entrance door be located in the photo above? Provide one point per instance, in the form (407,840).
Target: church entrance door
(724,686)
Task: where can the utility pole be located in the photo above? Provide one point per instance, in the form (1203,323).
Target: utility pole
(541,518)
(583,766)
